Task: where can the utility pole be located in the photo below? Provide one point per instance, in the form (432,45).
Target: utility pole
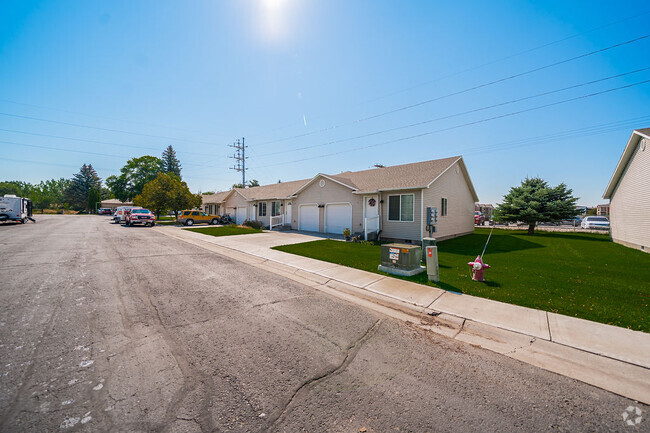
(240,158)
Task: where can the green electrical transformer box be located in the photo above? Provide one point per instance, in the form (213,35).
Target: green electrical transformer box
(401,259)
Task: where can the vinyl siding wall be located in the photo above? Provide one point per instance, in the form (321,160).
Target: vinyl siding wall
(401,230)
(332,192)
(460,204)
(630,203)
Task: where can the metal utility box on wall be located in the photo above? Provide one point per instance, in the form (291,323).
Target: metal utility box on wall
(401,259)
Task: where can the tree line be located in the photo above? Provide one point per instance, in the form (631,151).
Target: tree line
(148,181)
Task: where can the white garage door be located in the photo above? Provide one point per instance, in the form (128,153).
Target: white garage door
(338,217)
(241,215)
(308,218)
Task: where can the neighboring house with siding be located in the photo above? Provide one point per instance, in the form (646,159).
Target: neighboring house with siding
(628,192)
(271,204)
(389,201)
(213,203)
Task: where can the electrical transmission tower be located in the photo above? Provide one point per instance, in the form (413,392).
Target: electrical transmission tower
(240,158)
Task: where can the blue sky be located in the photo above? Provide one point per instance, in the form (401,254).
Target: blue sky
(289,75)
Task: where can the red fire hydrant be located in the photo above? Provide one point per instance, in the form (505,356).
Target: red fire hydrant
(478,269)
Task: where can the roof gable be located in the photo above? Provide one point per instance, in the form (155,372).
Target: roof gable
(280,190)
(405,176)
(628,152)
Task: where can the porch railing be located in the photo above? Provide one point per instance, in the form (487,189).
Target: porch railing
(277,220)
(371,225)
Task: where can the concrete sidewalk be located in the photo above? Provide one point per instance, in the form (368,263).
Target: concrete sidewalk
(609,357)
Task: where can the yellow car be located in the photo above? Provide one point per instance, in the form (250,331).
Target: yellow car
(191,217)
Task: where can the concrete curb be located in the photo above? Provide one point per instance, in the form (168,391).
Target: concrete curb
(611,358)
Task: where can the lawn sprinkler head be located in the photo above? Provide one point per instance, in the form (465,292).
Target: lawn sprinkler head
(478,269)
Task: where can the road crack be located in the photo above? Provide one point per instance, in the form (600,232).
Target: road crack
(351,353)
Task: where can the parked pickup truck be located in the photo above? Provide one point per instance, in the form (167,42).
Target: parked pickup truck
(140,216)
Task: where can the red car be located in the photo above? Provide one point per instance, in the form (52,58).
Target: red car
(140,216)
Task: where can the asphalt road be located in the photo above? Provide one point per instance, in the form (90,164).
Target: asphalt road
(109,328)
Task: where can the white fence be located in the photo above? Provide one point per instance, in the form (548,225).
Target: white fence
(371,225)
(277,221)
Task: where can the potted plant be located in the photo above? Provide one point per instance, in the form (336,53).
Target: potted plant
(346,234)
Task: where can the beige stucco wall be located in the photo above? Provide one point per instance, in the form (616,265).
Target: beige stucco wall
(630,202)
(331,192)
(460,204)
(234,201)
(401,230)
(266,220)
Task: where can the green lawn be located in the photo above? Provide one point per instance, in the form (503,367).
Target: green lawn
(226,230)
(576,274)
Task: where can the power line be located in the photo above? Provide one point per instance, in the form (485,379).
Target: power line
(13,143)
(465,124)
(240,157)
(100,117)
(501,104)
(473,68)
(448,95)
(24,161)
(96,141)
(562,135)
(78,125)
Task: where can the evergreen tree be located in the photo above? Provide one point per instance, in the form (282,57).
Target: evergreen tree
(535,201)
(80,185)
(94,199)
(171,164)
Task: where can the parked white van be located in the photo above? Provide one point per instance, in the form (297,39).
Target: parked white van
(119,216)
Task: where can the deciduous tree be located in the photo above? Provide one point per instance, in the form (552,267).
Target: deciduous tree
(534,201)
(167,192)
(134,176)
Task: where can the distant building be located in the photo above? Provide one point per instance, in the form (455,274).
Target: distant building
(114,203)
(486,209)
(602,210)
(628,192)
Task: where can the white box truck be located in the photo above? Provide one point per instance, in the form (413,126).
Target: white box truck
(14,208)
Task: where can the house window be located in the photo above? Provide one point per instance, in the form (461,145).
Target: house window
(400,207)
(275,208)
(261,207)
(443,207)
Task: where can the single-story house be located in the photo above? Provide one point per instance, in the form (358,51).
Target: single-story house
(271,204)
(390,202)
(114,203)
(628,192)
(212,203)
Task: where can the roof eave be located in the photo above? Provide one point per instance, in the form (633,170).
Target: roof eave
(622,163)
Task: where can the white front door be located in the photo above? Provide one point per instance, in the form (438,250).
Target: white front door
(371,213)
(241,215)
(287,212)
(308,217)
(371,206)
(338,217)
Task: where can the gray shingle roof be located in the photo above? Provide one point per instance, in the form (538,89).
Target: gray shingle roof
(275,190)
(644,131)
(405,176)
(215,198)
